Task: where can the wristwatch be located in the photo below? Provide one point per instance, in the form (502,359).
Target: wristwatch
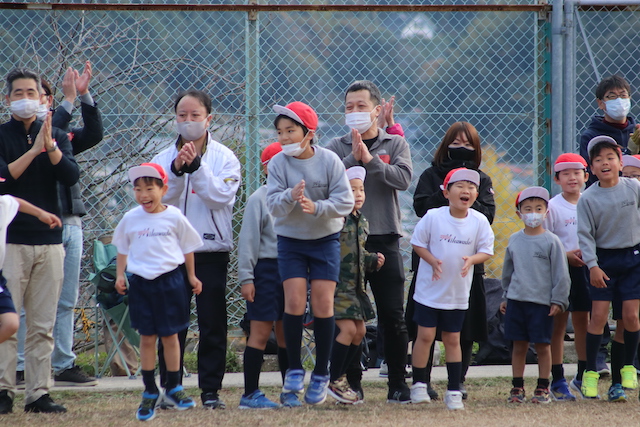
(54,147)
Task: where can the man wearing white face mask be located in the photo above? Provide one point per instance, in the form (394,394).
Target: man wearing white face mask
(387,160)
(613,95)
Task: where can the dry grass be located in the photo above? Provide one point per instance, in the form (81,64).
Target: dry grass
(487,407)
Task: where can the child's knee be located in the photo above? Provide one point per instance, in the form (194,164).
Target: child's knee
(9,324)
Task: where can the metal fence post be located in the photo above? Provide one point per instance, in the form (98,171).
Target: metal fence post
(557,95)
(569,98)
(252,97)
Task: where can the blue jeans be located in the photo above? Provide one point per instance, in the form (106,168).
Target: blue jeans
(62,357)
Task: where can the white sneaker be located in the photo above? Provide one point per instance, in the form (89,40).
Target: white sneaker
(453,400)
(419,393)
(384,370)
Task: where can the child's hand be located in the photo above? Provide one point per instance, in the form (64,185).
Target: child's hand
(298,190)
(575,258)
(50,219)
(308,205)
(503,307)
(467,265)
(597,277)
(121,285)
(555,309)
(196,284)
(248,292)
(437,269)
(381,260)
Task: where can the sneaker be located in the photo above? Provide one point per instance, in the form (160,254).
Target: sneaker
(20,380)
(576,387)
(616,393)
(516,395)
(601,365)
(340,391)
(74,377)
(419,393)
(147,409)
(384,370)
(317,391)
(629,377)
(45,405)
(257,400)
(560,391)
(590,384)
(293,381)
(541,395)
(176,398)
(463,390)
(400,394)
(453,400)
(432,393)
(359,394)
(6,403)
(290,400)
(210,400)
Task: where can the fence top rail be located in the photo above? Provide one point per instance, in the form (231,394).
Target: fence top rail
(541,7)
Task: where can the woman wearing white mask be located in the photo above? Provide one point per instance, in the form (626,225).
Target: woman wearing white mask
(308,195)
(204,179)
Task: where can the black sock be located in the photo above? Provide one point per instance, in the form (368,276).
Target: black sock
(419,375)
(557,372)
(338,360)
(582,365)
(252,365)
(354,353)
(467,353)
(518,382)
(543,382)
(617,361)
(323,331)
(430,361)
(593,345)
(149,381)
(283,361)
(173,379)
(353,368)
(292,326)
(630,346)
(454,370)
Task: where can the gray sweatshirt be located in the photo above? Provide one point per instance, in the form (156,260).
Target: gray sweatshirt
(326,184)
(535,270)
(257,239)
(608,218)
(388,172)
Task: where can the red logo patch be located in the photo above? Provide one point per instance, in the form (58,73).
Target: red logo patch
(385,158)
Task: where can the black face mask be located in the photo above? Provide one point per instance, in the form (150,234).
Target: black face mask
(461,153)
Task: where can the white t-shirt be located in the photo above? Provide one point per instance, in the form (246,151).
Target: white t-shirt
(155,243)
(449,239)
(8,210)
(562,220)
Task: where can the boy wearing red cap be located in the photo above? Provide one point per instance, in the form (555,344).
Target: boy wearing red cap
(153,241)
(535,280)
(450,240)
(561,220)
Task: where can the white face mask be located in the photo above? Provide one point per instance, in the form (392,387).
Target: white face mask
(532,220)
(191,131)
(618,109)
(24,108)
(359,121)
(294,150)
(42,112)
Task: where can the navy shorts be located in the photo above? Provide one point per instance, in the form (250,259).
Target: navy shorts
(268,303)
(6,303)
(444,320)
(528,321)
(623,268)
(160,306)
(579,297)
(312,259)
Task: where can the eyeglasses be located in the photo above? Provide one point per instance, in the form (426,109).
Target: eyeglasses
(632,176)
(612,96)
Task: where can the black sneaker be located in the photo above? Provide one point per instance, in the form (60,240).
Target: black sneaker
(463,390)
(6,403)
(431,392)
(74,377)
(399,394)
(211,400)
(44,405)
(20,380)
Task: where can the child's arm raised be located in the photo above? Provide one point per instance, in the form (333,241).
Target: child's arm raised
(434,262)
(121,264)
(195,283)
(44,216)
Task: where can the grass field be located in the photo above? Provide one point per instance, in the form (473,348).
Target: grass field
(486,407)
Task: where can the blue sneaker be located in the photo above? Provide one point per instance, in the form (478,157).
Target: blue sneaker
(147,409)
(178,399)
(560,391)
(293,381)
(257,400)
(290,400)
(576,387)
(616,393)
(317,390)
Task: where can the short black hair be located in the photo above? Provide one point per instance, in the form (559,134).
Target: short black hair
(374,92)
(558,173)
(451,183)
(21,73)
(148,180)
(305,130)
(201,96)
(596,149)
(533,198)
(612,82)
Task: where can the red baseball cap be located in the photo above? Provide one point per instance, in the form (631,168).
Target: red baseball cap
(300,112)
(461,174)
(529,192)
(152,170)
(270,151)
(569,161)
